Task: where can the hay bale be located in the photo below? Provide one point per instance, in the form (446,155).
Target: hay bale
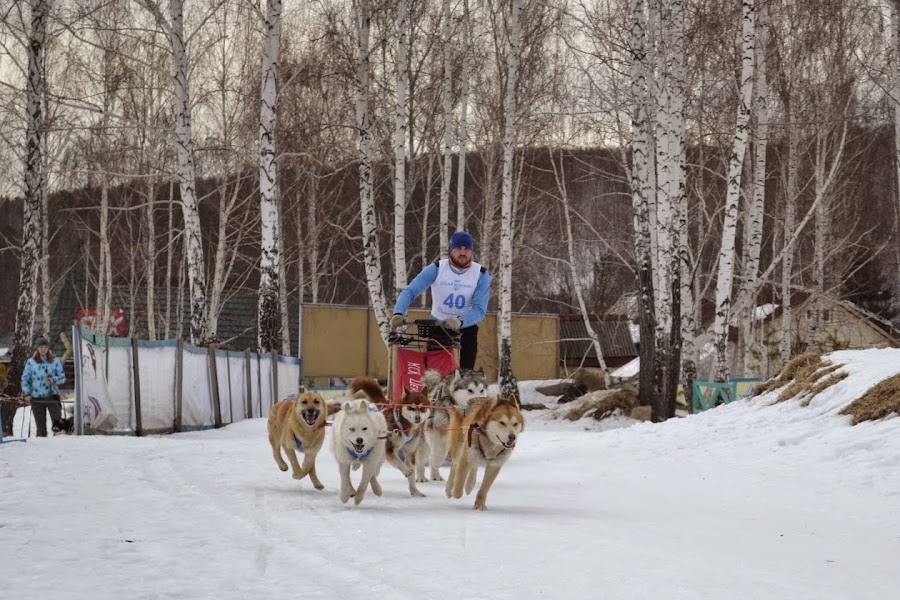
(880,401)
(572,392)
(592,381)
(641,413)
(807,380)
(824,384)
(789,371)
(624,401)
(555,389)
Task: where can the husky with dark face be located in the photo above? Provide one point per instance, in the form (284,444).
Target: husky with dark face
(298,425)
(452,393)
(406,445)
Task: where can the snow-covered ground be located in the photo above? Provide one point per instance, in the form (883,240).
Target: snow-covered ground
(748,500)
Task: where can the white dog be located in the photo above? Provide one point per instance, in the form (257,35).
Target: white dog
(358,438)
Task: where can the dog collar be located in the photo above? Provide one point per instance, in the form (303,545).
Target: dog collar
(298,442)
(478,430)
(406,438)
(362,456)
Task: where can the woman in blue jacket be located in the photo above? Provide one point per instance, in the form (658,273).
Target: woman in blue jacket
(40,384)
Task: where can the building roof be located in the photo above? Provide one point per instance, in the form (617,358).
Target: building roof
(574,342)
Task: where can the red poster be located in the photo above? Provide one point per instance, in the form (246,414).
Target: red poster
(116,328)
(410,369)
(411,365)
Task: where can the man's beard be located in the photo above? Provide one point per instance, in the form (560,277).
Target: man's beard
(468,261)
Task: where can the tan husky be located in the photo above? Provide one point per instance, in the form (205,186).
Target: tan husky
(298,425)
(486,436)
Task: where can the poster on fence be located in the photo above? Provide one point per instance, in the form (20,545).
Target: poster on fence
(97,409)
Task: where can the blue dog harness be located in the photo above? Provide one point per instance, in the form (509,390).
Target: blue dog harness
(362,456)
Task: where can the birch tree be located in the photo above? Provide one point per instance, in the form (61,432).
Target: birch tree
(657,182)
(668,92)
(32,217)
(643,187)
(447,149)
(269,312)
(401,122)
(753,218)
(371,252)
(463,121)
(894,9)
(174,27)
(507,380)
(727,255)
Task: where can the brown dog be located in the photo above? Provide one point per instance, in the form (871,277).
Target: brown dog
(486,436)
(298,425)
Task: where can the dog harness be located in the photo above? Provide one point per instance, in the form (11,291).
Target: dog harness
(475,428)
(298,442)
(406,438)
(362,456)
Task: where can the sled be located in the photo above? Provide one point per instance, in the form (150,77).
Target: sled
(416,347)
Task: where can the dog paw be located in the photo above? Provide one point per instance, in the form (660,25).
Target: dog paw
(358,498)
(480,505)
(319,485)
(345,497)
(416,494)
(421,479)
(297,475)
(436,477)
(283,467)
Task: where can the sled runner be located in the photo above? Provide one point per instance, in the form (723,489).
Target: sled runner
(419,345)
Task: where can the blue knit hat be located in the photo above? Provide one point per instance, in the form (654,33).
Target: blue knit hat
(461,239)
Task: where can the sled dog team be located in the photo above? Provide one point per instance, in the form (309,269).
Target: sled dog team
(451,415)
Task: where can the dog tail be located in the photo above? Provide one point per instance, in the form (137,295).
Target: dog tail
(369,387)
(431,379)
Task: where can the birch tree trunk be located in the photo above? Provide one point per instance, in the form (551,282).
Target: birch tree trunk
(753,219)
(507,380)
(284,329)
(447,101)
(401,115)
(104,286)
(642,189)
(32,217)
(268,313)
(669,92)
(312,241)
(725,279)
(150,260)
(463,122)
(185,173)
(371,252)
(894,8)
(170,253)
(687,282)
(187,179)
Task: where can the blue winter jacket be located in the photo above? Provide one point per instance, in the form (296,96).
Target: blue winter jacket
(34,379)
